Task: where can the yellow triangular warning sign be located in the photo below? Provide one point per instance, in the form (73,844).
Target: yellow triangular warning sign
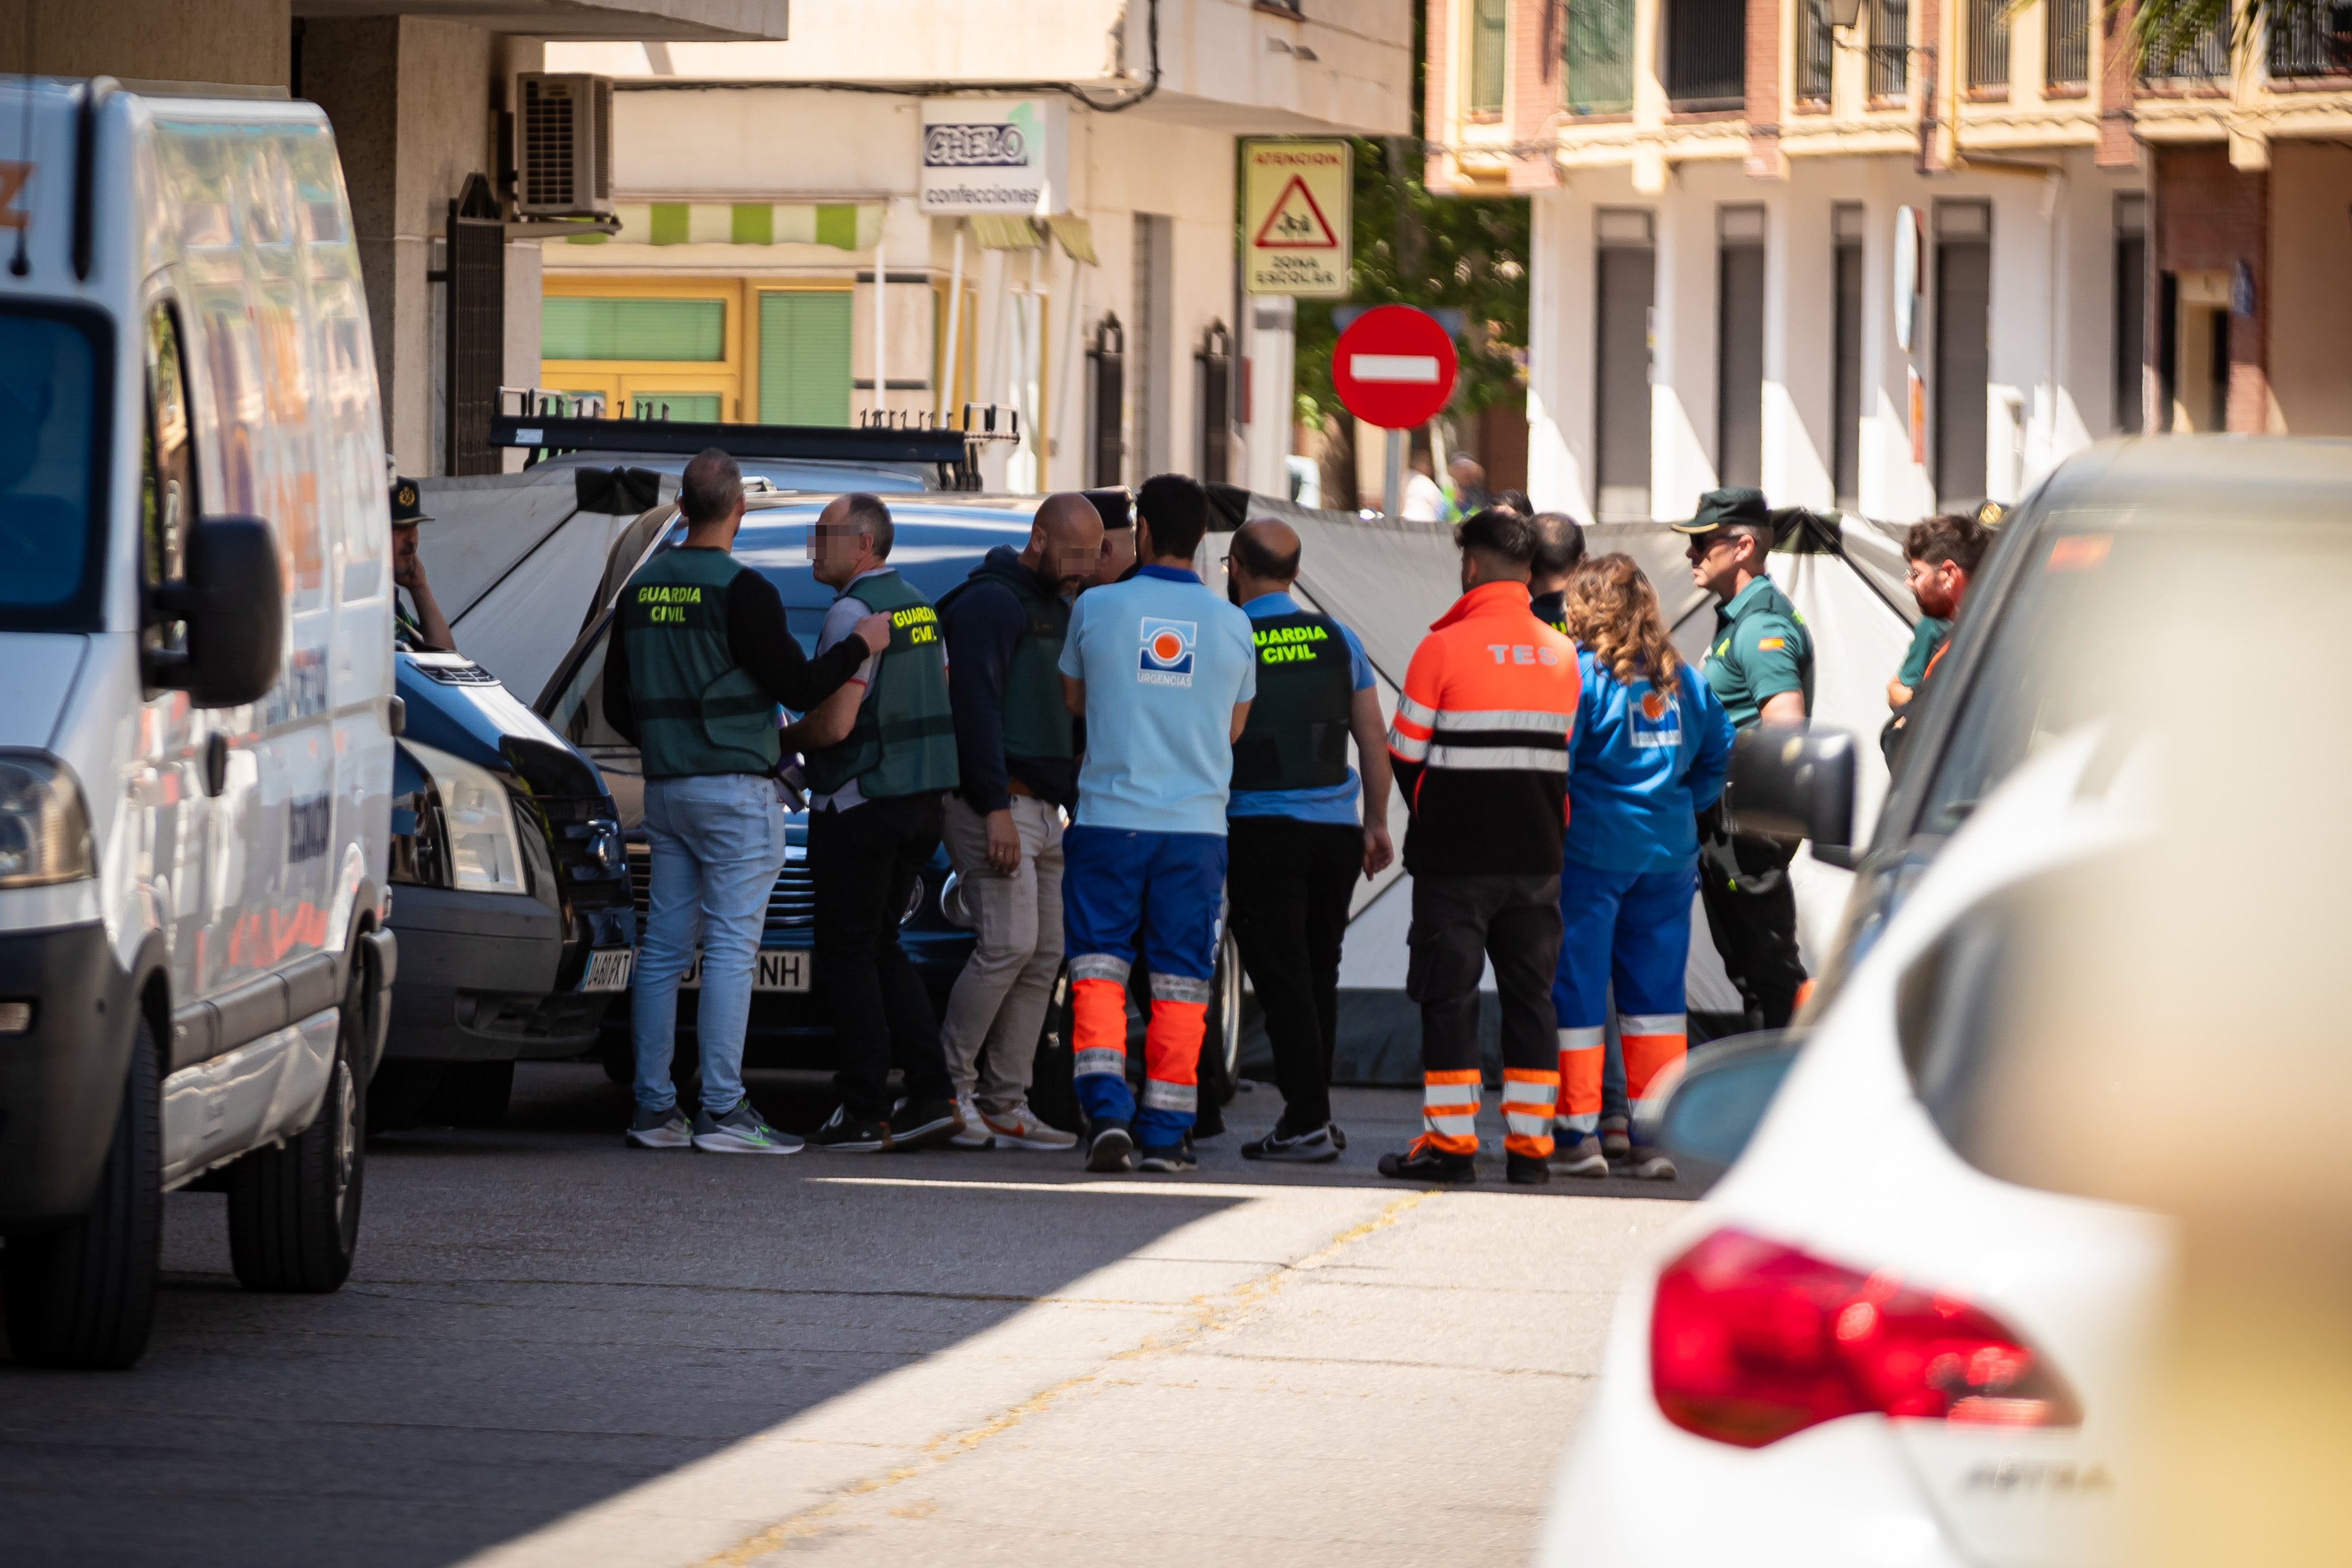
(1295,223)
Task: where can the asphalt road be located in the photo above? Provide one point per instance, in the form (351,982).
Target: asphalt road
(555,1350)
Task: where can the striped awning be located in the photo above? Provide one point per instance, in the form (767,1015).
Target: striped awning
(844,225)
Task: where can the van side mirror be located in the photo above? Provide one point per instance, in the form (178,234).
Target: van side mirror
(1720,1099)
(234,605)
(1793,783)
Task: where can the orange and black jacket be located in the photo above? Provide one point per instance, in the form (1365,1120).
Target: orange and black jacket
(1481,739)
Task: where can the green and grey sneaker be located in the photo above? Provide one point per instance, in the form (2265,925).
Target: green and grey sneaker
(660,1129)
(741,1131)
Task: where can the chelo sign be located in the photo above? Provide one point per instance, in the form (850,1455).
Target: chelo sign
(1003,156)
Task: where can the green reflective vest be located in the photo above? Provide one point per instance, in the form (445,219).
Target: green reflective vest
(903,742)
(1296,737)
(1037,721)
(698,711)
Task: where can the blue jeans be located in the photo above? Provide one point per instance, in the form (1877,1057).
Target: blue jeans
(718,842)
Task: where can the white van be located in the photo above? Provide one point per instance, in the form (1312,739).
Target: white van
(197,712)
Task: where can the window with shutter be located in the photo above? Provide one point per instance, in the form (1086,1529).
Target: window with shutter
(805,337)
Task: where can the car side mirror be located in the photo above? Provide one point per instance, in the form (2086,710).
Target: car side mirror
(1715,1106)
(232,603)
(1788,782)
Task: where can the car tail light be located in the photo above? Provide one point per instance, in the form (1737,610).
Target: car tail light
(1751,1340)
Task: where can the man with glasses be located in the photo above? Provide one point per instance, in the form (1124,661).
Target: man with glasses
(1760,666)
(879,756)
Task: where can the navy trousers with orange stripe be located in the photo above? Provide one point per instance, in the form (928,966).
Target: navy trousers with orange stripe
(1460,923)
(1165,891)
(1632,927)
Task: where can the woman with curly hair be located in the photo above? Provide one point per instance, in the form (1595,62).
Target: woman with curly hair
(1651,745)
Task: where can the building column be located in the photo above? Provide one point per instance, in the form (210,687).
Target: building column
(1270,360)
(1561,305)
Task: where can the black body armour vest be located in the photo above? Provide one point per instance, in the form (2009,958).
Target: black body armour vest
(1297,737)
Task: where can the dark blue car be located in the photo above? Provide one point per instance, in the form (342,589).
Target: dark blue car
(940,538)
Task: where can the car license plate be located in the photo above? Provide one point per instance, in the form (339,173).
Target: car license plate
(608,970)
(780,970)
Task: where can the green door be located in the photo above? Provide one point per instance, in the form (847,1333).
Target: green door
(804,357)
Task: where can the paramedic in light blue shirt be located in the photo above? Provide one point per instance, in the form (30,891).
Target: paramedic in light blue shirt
(1163,671)
(1297,846)
(1648,758)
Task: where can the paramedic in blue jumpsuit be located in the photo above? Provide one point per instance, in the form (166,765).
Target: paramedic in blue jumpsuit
(1651,745)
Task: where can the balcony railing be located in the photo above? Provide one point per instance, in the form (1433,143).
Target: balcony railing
(1600,48)
(1988,24)
(2312,39)
(2200,60)
(2066,40)
(1707,54)
(1890,54)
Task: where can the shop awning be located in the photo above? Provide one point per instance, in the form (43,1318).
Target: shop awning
(844,225)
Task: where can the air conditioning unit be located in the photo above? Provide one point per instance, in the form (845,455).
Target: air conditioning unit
(563,146)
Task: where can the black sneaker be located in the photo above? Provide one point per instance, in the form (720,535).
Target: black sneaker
(1525,1170)
(844,1134)
(1109,1148)
(918,1124)
(1319,1146)
(1173,1160)
(1424,1163)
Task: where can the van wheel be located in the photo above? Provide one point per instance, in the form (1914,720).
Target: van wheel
(472,1094)
(83,1295)
(294,1211)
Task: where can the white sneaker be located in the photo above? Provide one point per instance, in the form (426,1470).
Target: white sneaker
(974,1133)
(1020,1128)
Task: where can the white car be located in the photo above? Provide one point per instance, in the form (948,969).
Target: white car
(1860,1348)
(1883,1338)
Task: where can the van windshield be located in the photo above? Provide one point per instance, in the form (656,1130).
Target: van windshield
(51,535)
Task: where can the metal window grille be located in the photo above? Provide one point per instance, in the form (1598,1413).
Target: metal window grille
(1707,54)
(1890,54)
(1106,360)
(2311,38)
(1488,18)
(1600,48)
(2066,33)
(1987,22)
(477,278)
(2204,58)
(1214,362)
(1816,53)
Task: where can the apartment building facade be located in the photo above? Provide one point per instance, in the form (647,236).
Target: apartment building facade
(1902,264)
(792,248)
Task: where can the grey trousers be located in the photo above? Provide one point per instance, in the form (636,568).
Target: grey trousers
(998,1006)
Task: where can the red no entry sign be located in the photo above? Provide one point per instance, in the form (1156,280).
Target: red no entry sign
(1393,367)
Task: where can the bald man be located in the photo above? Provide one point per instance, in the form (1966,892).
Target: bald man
(1018,761)
(1296,843)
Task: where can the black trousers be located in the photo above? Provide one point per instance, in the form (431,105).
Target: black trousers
(1458,923)
(1288,882)
(1755,933)
(864,863)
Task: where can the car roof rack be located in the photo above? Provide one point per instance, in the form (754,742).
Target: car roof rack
(545,423)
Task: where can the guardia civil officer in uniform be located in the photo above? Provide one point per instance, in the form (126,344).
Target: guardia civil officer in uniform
(1760,666)
(879,756)
(1297,846)
(427,630)
(693,676)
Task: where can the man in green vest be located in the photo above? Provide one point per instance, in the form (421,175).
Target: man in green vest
(697,664)
(1560,547)
(1017,753)
(1760,665)
(879,756)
